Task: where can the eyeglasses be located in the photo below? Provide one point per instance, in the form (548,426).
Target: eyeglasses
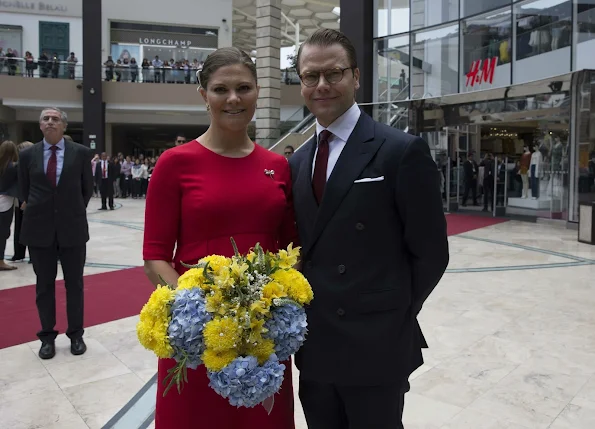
(332,76)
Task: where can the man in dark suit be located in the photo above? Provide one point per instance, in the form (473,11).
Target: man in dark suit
(56,185)
(471,170)
(374,246)
(105,176)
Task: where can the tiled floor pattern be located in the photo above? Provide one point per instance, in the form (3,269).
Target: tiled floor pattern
(511,329)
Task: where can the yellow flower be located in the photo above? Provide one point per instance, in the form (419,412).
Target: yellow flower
(295,284)
(261,350)
(216,361)
(224,280)
(216,262)
(191,278)
(272,290)
(238,270)
(288,258)
(215,303)
(154,320)
(222,334)
(251,257)
(259,307)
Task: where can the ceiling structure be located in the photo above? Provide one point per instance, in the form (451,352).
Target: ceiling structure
(310,15)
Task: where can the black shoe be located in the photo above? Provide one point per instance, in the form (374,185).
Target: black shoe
(17,259)
(78,347)
(111,208)
(102,208)
(47,350)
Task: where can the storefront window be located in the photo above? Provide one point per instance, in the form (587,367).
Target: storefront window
(395,22)
(584,179)
(434,63)
(392,83)
(585,37)
(544,32)
(11,37)
(473,7)
(486,51)
(425,13)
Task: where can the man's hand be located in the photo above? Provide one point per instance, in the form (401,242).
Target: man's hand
(24,205)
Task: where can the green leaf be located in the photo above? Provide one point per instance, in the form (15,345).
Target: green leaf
(235,247)
(164,283)
(197,265)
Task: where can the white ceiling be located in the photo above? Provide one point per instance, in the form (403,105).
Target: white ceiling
(310,14)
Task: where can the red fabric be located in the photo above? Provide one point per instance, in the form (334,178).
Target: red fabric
(52,165)
(103,163)
(196,201)
(108,296)
(320,166)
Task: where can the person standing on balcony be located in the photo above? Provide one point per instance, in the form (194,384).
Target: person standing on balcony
(72,60)
(30,65)
(157,69)
(55,66)
(374,246)
(56,185)
(11,62)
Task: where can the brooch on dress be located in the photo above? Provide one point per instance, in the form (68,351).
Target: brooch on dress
(269,173)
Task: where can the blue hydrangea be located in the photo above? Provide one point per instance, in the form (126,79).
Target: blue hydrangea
(246,384)
(287,327)
(188,317)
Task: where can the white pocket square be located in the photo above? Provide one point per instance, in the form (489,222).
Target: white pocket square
(370,179)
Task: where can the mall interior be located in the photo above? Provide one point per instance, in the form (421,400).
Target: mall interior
(504,87)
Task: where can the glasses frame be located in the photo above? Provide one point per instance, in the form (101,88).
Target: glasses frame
(324,72)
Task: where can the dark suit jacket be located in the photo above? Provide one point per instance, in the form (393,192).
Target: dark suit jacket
(9,184)
(471,169)
(56,213)
(111,172)
(373,252)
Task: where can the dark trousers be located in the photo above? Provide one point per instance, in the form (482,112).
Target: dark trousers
(136,187)
(5,222)
(19,249)
(106,188)
(470,185)
(45,265)
(329,406)
(488,192)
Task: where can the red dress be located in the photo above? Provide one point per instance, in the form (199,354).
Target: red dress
(196,201)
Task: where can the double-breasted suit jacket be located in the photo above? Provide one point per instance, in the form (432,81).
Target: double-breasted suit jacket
(373,251)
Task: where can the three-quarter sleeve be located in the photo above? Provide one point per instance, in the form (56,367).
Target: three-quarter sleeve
(288,229)
(162,211)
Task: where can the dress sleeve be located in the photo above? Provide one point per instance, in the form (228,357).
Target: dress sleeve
(162,210)
(288,229)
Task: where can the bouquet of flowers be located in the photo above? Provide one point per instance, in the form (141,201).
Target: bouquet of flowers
(240,317)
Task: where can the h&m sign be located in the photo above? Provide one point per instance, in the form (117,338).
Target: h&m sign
(481,71)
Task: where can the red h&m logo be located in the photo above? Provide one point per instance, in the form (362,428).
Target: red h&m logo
(481,71)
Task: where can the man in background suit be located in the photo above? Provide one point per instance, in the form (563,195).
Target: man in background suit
(105,176)
(471,170)
(56,185)
(374,246)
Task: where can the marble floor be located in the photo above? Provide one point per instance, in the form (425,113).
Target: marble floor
(511,330)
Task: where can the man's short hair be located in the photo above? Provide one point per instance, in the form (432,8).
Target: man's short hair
(326,37)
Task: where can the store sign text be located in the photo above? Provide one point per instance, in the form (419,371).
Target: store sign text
(165,42)
(481,71)
(33,6)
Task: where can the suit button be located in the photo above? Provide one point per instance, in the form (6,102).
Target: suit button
(341,312)
(341,269)
(359,226)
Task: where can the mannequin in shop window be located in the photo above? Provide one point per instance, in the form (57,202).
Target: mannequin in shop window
(524,170)
(536,170)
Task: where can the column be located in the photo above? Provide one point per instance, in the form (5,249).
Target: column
(268,66)
(358,26)
(93,107)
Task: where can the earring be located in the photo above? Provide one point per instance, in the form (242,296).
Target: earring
(208,108)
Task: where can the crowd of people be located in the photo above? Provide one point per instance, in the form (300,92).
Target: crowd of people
(46,65)
(127,69)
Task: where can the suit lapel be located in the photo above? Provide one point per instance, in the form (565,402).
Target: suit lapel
(356,155)
(303,193)
(39,159)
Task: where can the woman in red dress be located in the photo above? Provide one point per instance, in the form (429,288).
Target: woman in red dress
(218,186)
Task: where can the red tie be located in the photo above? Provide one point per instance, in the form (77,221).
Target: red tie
(104,173)
(52,165)
(319,177)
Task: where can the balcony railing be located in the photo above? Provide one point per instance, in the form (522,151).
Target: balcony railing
(57,69)
(50,68)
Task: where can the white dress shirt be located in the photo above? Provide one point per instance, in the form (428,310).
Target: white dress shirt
(47,153)
(341,130)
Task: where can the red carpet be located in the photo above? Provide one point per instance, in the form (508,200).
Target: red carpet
(108,296)
(119,294)
(461,223)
